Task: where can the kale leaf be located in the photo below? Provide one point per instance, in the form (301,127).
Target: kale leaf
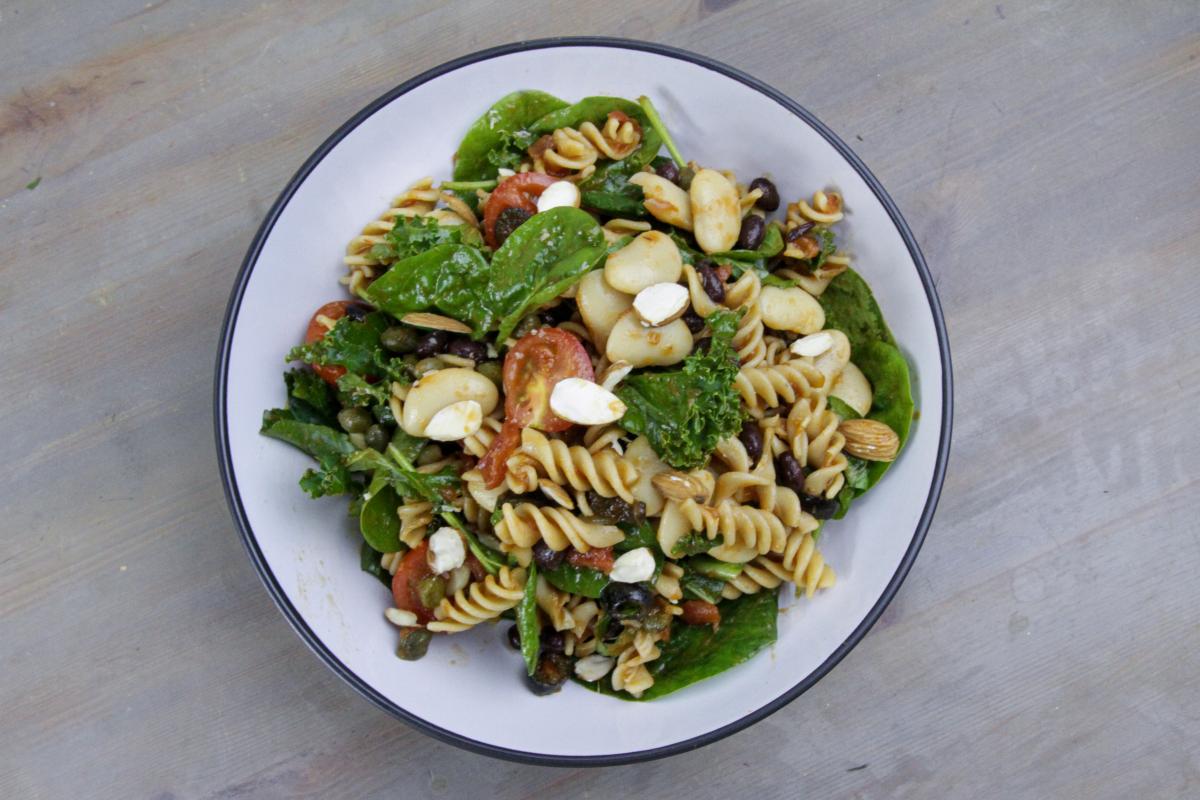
(686,412)
(310,399)
(354,345)
(413,235)
(322,442)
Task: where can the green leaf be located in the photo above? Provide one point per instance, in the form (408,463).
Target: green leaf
(33,184)
(577,580)
(378,522)
(527,622)
(354,345)
(595,110)
(495,139)
(315,439)
(660,127)
(701,587)
(540,260)
(354,390)
(712,568)
(740,260)
(686,412)
(408,445)
(437,487)
(842,409)
(857,474)
(636,535)
(368,559)
(310,399)
(892,404)
(450,278)
(692,544)
(851,308)
(412,235)
(696,652)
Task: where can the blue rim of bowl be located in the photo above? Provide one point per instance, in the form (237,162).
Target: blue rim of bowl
(293,615)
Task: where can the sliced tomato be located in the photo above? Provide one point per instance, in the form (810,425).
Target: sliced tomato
(600,558)
(413,567)
(519,191)
(316,331)
(494,462)
(533,367)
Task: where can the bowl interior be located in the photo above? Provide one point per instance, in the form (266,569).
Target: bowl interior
(470,686)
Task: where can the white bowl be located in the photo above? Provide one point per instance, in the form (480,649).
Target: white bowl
(468,690)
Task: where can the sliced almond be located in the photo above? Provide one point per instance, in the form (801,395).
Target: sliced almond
(678,485)
(434,322)
(661,303)
(560,194)
(401,618)
(585,403)
(456,421)
(614,374)
(812,345)
(870,439)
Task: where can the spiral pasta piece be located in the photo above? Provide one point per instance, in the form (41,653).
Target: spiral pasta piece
(816,441)
(523,525)
(745,531)
(391,561)
(778,384)
(553,604)
(617,139)
(480,601)
(630,672)
(825,209)
(667,584)
(805,564)
(607,473)
(816,282)
(416,201)
(415,519)
(761,573)
(603,437)
(748,339)
(566,153)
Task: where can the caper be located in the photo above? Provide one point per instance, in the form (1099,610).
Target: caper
(427,365)
(354,420)
(414,643)
(492,370)
(429,454)
(685,178)
(399,339)
(377,437)
(431,590)
(769,200)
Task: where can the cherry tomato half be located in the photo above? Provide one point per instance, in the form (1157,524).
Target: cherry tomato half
(519,191)
(413,567)
(600,558)
(534,365)
(316,331)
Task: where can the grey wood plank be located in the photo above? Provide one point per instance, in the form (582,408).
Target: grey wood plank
(1047,642)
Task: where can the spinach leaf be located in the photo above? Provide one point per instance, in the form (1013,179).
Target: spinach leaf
(851,308)
(539,261)
(626,203)
(498,138)
(309,398)
(315,439)
(685,413)
(636,535)
(527,622)
(368,560)
(536,263)
(595,110)
(857,474)
(701,587)
(449,277)
(412,235)
(892,405)
(377,521)
(696,652)
(577,580)
(354,345)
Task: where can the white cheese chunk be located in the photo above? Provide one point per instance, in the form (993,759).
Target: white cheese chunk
(633,567)
(456,421)
(593,667)
(585,403)
(560,194)
(446,550)
(661,303)
(812,345)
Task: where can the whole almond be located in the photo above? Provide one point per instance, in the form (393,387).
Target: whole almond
(870,439)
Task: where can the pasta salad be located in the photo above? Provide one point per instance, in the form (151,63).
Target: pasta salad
(606,393)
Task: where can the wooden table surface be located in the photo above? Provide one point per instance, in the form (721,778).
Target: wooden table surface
(1047,156)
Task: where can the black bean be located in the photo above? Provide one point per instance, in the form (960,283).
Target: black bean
(626,600)
(752,438)
(770,195)
(668,169)
(432,343)
(553,641)
(789,473)
(354,420)
(509,220)
(551,673)
(694,321)
(399,339)
(752,233)
(378,438)
(559,313)
(819,507)
(714,287)
(547,558)
(514,637)
(798,231)
(467,348)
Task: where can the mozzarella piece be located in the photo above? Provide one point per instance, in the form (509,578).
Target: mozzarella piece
(585,403)
(633,567)
(560,194)
(812,345)
(661,303)
(456,421)
(593,667)
(446,550)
